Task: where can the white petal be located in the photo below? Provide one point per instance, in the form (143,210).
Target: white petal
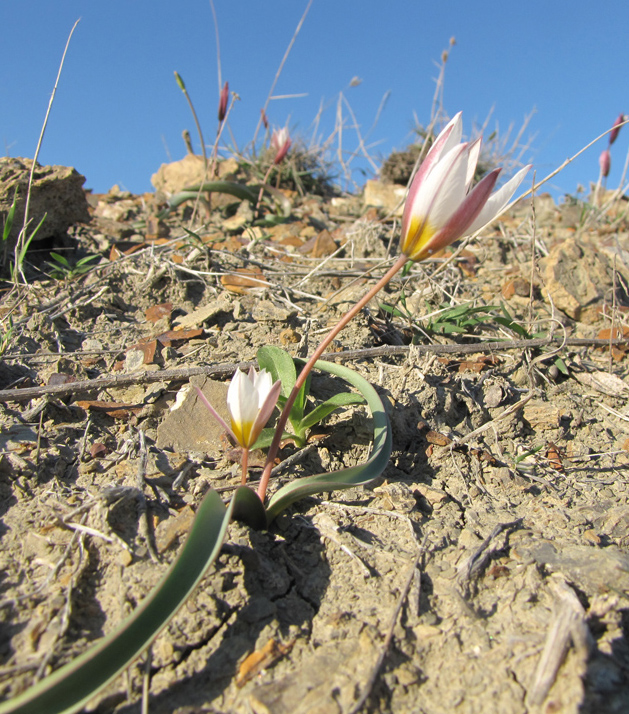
(472,162)
(263,384)
(498,201)
(241,399)
(455,135)
(444,188)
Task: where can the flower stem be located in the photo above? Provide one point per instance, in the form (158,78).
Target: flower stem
(264,180)
(279,429)
(245,465)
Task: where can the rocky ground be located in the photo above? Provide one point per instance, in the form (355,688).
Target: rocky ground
(486,571)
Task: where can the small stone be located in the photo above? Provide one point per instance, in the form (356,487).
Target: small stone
(134,361)
(289,336)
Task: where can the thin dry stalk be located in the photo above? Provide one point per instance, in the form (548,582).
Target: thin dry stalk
(218,47)
(529,325)
(361,143)
(613,326)
(22,240)
(280,68)
(552,174)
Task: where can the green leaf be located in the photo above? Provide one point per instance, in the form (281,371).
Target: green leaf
(393,311)
(321,411)
(238,190)
(70,687)
(27,242)
(513,326)
(8,224)
(345,478)
(83,261)
(60,259)
(282,366)
(266,437)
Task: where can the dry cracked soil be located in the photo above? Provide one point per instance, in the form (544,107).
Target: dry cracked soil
(487,570)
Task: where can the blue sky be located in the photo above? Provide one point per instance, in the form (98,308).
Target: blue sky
(119,114)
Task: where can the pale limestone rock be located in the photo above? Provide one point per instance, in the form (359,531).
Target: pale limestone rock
(190,426)
(57,191)
(578,276)
(389,197)
(189,171)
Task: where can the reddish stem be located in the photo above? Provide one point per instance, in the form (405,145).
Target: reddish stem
(279,430)
(245,465)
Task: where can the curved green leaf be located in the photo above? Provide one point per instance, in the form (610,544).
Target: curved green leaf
(70,687)
(238,190)
(345,478)
(335,402)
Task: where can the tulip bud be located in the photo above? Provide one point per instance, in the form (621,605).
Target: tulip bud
(281,142)
(605,162)
(182,86)
(222,103)
(613,134)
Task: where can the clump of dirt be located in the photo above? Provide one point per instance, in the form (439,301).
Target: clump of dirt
(487,570)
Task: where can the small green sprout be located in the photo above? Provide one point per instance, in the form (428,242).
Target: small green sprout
(63,270)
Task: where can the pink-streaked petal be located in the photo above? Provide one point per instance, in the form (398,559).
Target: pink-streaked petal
(266,409)
(461,220)
(498,201)
(441,194)
(447,140)
(445,187)
(472,162)
(282,151)
(214,413)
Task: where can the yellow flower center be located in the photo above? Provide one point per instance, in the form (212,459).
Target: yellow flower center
(242,432)
(419,233)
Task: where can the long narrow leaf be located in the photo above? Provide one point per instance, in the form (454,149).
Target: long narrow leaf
(346,478)
(238,190)
(70,687)
(335,402)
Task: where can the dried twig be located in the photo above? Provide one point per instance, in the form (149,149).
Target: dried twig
(568,625)
(389,636)
(471,567)
(145,529)
(226,370)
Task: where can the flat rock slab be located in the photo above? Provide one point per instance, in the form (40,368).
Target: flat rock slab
(191,427)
